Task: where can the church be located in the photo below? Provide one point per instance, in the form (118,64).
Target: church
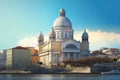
(61,45)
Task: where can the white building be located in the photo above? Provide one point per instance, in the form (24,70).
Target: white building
(113,51)
(18,58)
(2,60)
(62,45)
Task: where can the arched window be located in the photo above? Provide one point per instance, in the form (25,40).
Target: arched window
(62,34)
(71,46)
(65,35)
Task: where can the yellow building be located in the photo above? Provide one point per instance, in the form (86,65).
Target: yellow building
(35,57)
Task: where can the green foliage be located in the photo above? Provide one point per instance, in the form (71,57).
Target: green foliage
(40,63)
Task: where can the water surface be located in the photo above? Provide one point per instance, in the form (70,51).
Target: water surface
(58,77)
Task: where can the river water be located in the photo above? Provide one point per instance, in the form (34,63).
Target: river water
(58,77)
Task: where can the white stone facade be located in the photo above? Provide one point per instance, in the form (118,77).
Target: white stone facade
(61,45)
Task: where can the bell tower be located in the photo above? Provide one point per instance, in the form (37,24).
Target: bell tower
(52,35)
(85,44)
(40,41)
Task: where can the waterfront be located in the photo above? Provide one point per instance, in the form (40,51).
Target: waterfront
(58,77)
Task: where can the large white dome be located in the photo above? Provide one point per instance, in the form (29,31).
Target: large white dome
(63,27)
(62,20)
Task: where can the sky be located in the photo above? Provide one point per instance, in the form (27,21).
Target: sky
(21,21)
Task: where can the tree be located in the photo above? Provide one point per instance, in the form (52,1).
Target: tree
(40,63)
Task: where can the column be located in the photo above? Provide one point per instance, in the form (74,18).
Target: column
(75,55)
(68,55)
(59,35)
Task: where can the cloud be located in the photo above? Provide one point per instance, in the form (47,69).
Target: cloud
(31,41)
(1,51)
(97,39)
(28,41)
(100,39)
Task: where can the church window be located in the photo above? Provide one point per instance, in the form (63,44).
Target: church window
(77,55)
(86,39)
(62,34)
(53,37)
(66,55)
(68,35)
(65,36)
(71,46)
(71,55)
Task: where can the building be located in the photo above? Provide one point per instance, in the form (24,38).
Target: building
(18,58)
(2,61)
(35,57)
(32,49)
(106,52)
(62,45)
(113,51)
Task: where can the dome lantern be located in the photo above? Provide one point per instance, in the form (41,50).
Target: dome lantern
(62,12)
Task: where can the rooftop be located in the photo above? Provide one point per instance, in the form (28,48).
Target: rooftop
(19,47)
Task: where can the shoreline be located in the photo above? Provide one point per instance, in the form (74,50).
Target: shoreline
(28,72)
(53,73)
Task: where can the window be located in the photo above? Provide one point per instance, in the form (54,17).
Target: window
(66,54)
(71,46)
(77,55)
(65,35)
(62,34)
(71,55)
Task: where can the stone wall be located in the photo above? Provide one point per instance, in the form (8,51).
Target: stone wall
(56,46)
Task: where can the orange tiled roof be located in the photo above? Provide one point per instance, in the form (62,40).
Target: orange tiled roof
(36,52)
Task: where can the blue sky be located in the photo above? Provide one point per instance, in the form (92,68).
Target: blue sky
(23,18)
